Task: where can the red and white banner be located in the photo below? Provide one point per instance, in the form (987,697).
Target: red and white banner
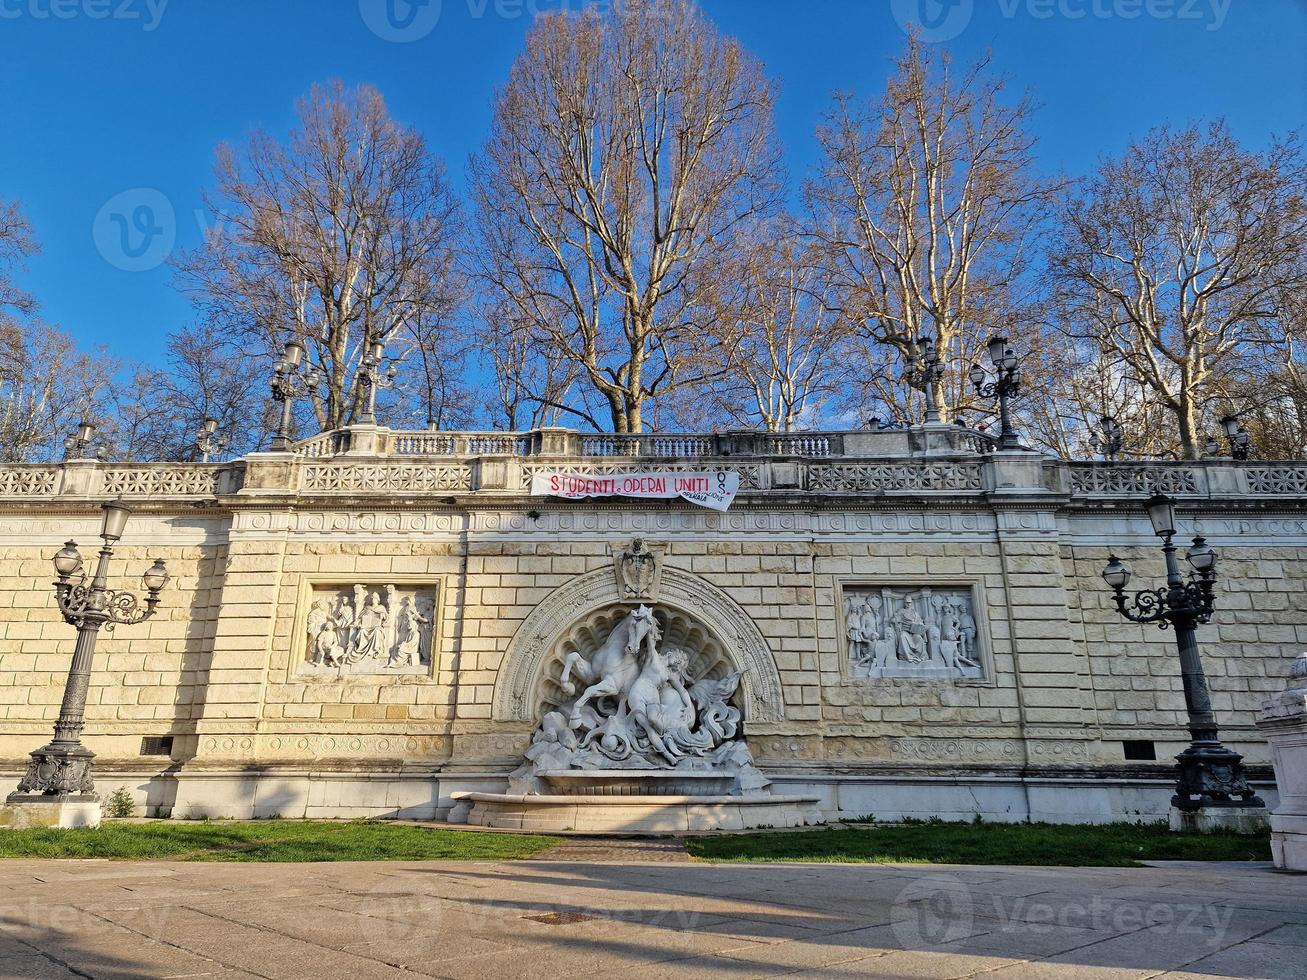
(711,488)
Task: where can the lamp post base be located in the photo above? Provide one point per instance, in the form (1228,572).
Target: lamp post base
(22,811)
(1212,777)
(59,769)
(1220,820)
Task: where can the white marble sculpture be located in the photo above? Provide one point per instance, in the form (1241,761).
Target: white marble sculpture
(924,633)
(638,708)
(369,630)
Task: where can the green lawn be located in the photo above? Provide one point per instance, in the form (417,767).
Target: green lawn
(1110,846)
(270,840)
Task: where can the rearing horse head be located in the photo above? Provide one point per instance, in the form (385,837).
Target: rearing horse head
(640,625)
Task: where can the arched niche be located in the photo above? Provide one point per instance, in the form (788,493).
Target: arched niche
(579,614)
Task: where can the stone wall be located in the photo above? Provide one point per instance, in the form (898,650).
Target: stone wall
(1059,682)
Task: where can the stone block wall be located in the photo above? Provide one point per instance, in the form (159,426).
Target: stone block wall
(1065,681)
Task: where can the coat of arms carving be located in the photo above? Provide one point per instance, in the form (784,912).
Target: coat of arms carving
(639,571)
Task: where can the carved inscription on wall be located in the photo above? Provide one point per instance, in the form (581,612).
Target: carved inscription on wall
(369,629)
(912,632)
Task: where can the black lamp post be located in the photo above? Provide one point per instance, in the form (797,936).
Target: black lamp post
(926,371)
(1237,436)
(1005,386)
(63,767)
(1109,439)
(1210,775)
(208,442)
(370,379)
(82,444)
(288,380)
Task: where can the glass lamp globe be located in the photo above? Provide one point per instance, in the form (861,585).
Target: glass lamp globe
(1202,557)
(977,375)
(68,560)
(1116,574)
(115,520)
(997,348)
(156,576)
(1161,512)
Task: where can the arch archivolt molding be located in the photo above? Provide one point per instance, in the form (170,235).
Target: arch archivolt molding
(518,687)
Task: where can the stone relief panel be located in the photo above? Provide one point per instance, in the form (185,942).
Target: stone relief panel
(369,629)
(915,632)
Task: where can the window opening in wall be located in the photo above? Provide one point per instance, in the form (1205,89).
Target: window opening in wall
(1139,750)
(156,745)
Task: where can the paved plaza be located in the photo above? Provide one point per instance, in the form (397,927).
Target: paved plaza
(642,911)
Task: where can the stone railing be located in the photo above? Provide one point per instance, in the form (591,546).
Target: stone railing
(922,460)
(131,481)
(1195,478)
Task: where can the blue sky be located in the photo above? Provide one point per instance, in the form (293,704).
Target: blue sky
(103,97)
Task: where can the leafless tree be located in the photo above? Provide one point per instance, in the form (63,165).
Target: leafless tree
(1179,257)
(159,414)
(787,347)
(17,244)
(47,387)
(629,151)
(340,236)
(927,209)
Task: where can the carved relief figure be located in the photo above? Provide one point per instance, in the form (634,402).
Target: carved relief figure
(927,632)
(408,633)
(364,631)
(912,632)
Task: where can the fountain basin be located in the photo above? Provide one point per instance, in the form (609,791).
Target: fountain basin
(638,782)
(617,814)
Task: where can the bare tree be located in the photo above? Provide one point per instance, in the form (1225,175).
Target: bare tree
(17,244)
(787,354)
(340,237)
(1179,257)
(160,413)
(926,207)
(47,387)
(629,152)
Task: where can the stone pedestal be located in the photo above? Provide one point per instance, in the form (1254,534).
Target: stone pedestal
(1225,819)
(1283,720)
(22,811)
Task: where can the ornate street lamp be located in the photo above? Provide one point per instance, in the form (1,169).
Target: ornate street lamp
(63,767)
(1005,386)
(82,443)
(290,377)
(1210,775)
(1109,439)
(1237,436)
(926,371)
(370,379)
(208,442)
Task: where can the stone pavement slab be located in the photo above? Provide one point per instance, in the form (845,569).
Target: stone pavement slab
(613,910)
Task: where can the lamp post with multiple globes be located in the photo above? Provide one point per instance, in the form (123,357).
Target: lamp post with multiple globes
(62,768)
(290,377)
(1005,386)
(1210,775)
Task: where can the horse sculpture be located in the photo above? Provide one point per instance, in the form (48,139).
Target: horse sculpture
(615,665)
